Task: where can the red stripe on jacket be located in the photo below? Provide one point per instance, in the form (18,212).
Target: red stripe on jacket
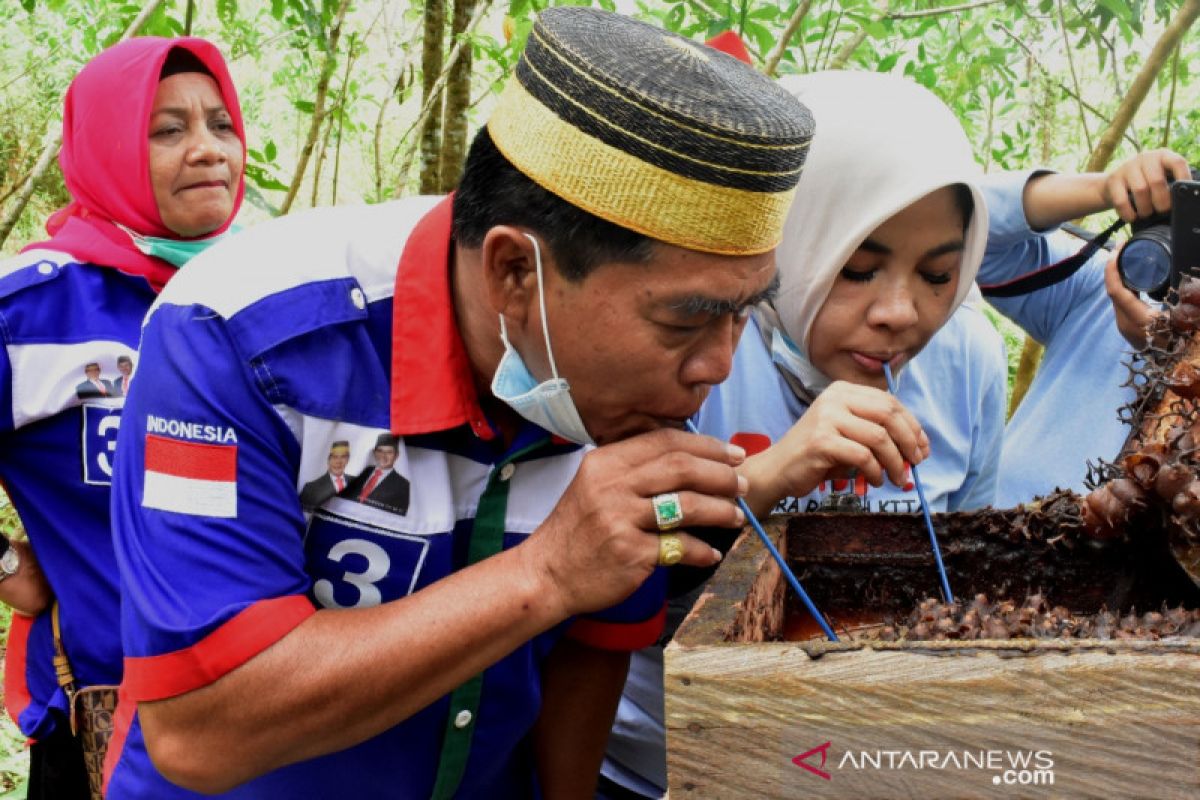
(241,638)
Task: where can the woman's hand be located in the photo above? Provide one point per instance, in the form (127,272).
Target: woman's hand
(848,428)
(27,591)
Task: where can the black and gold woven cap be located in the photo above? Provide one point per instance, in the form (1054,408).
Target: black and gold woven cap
(653,132)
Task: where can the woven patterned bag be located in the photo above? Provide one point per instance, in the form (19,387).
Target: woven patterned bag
(92,711)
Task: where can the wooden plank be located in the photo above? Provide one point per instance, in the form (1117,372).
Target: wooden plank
(1116,719)
(1105,718)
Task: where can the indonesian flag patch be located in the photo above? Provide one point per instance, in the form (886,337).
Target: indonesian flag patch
(190,477)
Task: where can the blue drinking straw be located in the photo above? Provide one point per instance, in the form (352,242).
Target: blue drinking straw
(787,571)
(937,551)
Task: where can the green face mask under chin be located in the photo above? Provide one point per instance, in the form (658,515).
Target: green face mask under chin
(175,251)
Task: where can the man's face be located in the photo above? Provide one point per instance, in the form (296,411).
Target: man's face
(385,456)
(92,371)
(125,367)
(339,458)
(642,344)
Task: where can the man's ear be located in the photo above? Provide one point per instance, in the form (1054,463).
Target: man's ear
(509,271)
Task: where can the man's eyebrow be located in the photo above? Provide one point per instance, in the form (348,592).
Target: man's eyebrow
(697,304)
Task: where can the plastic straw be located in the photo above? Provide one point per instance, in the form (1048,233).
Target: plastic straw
(937,551)
(787,571)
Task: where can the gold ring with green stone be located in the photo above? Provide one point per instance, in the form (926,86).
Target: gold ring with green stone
(668,511)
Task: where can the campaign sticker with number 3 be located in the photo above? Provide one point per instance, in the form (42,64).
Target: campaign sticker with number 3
(355,565)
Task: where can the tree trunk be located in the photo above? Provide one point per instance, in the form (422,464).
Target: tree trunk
(10,218)
(458,99)
(427,107)
(1189,10)
(431,68)
(318,115)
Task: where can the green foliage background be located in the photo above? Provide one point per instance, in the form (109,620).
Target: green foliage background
(1034,82)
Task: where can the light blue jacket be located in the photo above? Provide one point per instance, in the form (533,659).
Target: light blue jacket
(1069,415)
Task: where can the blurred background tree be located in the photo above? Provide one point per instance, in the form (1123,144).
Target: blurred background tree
(353,101)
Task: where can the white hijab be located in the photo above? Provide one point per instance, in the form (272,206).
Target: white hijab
(881,144)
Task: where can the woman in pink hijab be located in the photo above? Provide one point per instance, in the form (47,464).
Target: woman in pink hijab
(153,150)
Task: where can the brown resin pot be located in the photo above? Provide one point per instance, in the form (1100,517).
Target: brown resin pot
(750,715)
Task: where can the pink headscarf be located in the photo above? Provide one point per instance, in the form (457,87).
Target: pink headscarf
(105,155)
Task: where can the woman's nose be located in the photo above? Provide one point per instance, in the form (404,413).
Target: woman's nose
(894,308)
(203,148)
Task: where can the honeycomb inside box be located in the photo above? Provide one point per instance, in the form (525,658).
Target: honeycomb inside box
(1032,572)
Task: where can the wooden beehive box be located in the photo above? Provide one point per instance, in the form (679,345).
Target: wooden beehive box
(1097,718)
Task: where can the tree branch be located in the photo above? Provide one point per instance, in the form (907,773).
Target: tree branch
(318,116)
(1066,89)
(933,12)
(1062,23)
(793,25)
(847,50)
(1171,36)
(439,84)
(399,90)
(1166,138)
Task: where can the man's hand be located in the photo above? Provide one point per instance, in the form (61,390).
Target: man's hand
(848,427)
(1133,315)
(601,541)
(1138,187)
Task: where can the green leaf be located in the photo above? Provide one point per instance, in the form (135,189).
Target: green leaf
(263,178)
(226,10)
(1118,8)
(304,106)
(258,200)
(28,5)
(674,19)
(887,63)
(763,38)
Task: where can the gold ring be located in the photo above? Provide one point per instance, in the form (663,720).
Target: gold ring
(668,510)
(670,549)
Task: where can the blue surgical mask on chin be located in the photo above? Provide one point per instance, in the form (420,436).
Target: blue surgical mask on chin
(547,404)
(788,356)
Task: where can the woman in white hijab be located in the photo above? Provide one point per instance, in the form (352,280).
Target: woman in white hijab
(879,254)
